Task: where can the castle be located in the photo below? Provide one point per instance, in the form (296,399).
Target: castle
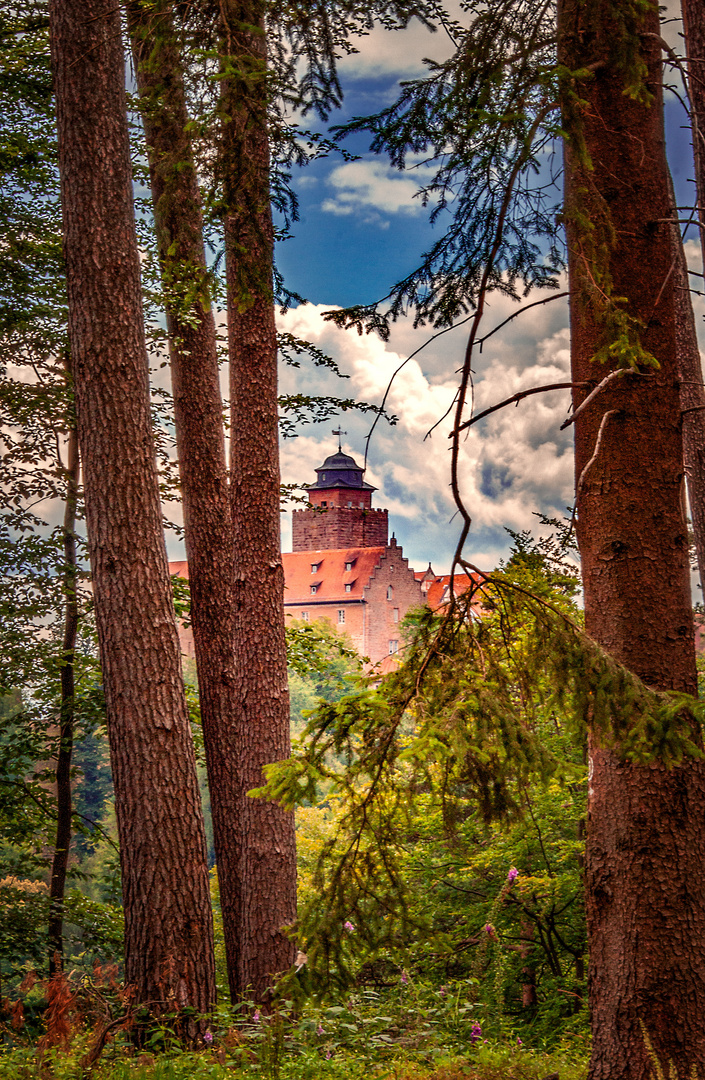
(344,568)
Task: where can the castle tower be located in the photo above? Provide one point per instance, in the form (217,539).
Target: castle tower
(340,513)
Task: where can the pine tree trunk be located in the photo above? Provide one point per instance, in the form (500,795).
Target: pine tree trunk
(168,923)
(692,401)
(64,795)
(645,844)
(693,394)
(267,902)
(199,424)
(694,32)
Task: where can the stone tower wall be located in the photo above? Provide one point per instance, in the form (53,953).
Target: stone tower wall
(339,527)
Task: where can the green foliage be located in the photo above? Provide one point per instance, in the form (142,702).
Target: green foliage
(413,1031)
(463,765)
(489,121)
(323,665)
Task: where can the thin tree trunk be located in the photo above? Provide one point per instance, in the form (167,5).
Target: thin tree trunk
(692,399)
(168,922)
(692,393)
(645,845)
(694,32)
(199,424)
(64,802)
(267,902)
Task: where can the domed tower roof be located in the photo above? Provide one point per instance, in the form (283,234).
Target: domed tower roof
(339,470)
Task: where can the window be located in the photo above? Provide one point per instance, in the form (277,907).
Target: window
(304,616)
(390,592)
(348,587)
(350,504)
(314,590)
(393,646)
(323,476)
(324,503)
(349,565)
(341,615)
(395,614)
(314,567)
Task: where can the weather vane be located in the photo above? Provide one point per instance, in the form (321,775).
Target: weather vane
(339,433)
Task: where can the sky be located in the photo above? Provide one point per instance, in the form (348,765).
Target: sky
(361,229)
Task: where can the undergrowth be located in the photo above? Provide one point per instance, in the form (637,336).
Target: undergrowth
(406,1032)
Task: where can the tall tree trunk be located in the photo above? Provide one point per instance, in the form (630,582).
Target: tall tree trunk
(64,801)
(168,922)
(694,32)
(199,424)
(645,844)
(267,901)
(692,400)
(693,394)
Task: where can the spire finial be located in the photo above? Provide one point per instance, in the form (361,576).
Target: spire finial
(339,433)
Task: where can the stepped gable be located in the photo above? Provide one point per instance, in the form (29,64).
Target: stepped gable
(364,592)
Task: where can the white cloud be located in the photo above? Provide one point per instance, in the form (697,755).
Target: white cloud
(395,52)
(513,464)
(363,185)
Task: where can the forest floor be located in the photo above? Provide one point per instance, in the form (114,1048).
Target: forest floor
(488,1063)
(399,1035)
(79,1026)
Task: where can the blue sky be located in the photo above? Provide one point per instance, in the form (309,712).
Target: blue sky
(361,229)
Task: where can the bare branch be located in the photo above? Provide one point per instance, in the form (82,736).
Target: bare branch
(527,307)
(591,462)
(591,396)
(516,398)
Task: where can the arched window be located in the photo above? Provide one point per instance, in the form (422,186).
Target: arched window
(390,592)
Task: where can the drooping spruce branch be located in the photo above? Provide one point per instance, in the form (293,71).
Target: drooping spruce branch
(461,723)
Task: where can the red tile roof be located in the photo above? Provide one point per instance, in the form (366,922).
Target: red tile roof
(438,593)
(330,576)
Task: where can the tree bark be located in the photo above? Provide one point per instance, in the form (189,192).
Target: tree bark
(64,799)
(694,32)
(168,923)
(198,413)
(692,400)
(645,844)
(692,393)
(267,901)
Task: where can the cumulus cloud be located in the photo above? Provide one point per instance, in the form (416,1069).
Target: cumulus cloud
(513,464)
(363,185)
(396,52)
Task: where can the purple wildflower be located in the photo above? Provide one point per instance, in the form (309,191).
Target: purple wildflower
(329,1054)
(512,875)
(348,927)
(442,991)
(475,1033)
(256,1016)
(404,978)
(489,928)
(319,1030)
(208,1037)
(519,1042)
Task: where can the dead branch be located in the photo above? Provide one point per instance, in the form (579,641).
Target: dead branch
(516,398)
(591,396)
(527,307)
